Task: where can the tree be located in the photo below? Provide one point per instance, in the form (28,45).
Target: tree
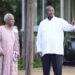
(29,34)
(12,6)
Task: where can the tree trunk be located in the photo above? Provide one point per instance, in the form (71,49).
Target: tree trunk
(29,35)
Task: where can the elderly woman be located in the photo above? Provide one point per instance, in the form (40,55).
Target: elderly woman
(9,46)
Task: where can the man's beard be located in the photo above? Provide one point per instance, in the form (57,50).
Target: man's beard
(50,17)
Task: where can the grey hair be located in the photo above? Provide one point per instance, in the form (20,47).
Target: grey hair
(49,6)
(7,15)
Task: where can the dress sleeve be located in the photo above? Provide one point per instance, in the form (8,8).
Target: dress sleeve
(1,50)
(16,43)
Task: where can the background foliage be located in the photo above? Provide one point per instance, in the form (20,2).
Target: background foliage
(11,6)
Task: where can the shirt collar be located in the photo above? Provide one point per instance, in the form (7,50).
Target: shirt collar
(50,18)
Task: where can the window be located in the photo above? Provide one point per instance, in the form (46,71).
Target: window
(72,9)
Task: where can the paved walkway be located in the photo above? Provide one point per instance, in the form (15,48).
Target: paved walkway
(67,70)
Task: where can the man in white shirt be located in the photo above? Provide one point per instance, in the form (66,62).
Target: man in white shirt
(50,40)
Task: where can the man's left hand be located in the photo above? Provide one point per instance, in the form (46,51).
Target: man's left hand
(73,21)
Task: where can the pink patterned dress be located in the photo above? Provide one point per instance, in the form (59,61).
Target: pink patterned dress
(9,44)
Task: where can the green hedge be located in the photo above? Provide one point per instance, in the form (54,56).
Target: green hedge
(36,64)
(20,64)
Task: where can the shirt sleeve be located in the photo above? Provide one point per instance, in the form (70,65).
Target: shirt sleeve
(39,37)
(67,26)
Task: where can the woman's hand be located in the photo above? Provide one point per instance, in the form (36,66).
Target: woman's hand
(15,56)
(2,53)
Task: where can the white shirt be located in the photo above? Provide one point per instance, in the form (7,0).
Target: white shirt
(50,36)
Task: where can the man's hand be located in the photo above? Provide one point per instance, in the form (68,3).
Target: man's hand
(73,21)
(40,54)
